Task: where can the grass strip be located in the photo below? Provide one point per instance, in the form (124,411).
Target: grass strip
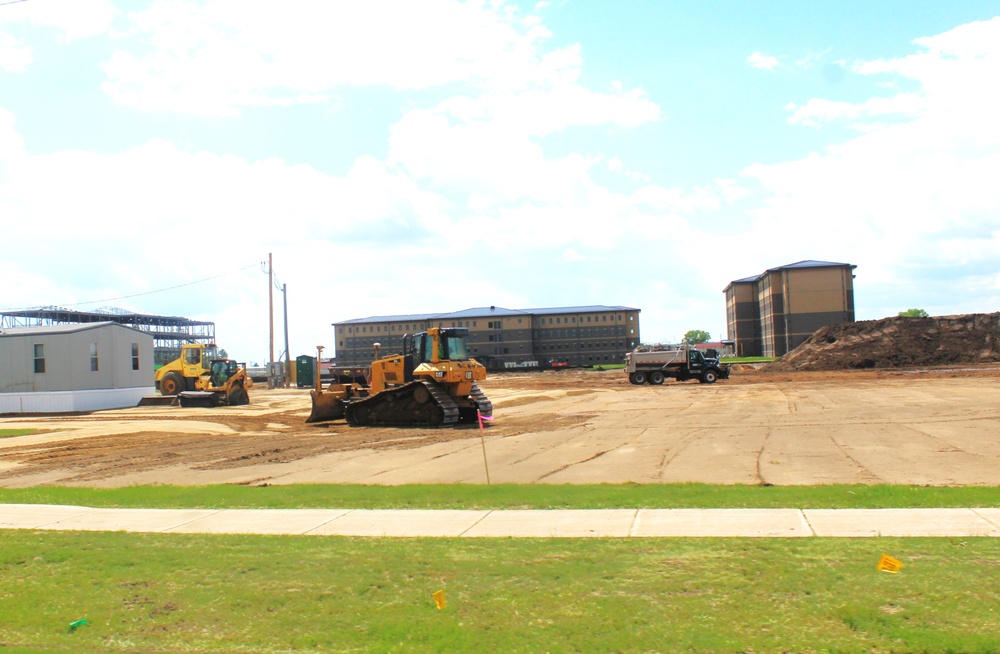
(7,433)
(205,593)
(512,496)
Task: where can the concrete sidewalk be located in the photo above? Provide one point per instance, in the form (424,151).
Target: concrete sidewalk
(598,523)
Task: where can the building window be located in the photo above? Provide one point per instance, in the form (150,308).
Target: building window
(93,357)
(135,356)
(39,358)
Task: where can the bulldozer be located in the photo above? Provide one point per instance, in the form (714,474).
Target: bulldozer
(199,377)
(431,384)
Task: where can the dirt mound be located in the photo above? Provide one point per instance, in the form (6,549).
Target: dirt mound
(898,343)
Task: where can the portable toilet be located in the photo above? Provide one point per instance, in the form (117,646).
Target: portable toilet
(305,371)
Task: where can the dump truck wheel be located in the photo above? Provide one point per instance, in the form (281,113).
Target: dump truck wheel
(656,378)
(637,378)
(709,377)
(172,384)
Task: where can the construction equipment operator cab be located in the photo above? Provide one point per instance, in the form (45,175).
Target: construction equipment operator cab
(452,345)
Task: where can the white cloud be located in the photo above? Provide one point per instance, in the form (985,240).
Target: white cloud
(15,55)
(70,19)
(218,56)
(917,190)
(762,61)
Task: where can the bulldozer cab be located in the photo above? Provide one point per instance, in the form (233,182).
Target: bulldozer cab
(444,344)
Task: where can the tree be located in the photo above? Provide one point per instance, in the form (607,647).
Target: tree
(695,336)
(913,313)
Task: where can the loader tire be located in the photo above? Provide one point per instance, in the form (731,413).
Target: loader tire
(171,384)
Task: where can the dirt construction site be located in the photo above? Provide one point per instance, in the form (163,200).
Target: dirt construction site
(898,401)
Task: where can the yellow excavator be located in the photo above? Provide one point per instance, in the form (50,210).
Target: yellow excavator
(432,384)
(199,377)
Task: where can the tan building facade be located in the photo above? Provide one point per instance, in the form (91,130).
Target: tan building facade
(773,313)
(505,338)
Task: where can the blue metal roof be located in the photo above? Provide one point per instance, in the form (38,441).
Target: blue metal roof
(592,308)
(412,317)
(483,312)
(809,263)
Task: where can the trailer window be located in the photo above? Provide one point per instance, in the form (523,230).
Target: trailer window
(39,358)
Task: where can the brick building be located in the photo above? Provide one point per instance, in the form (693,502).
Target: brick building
(505,338)
(773,313)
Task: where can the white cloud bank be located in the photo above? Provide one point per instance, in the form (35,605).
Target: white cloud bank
(914,195)
(469,207)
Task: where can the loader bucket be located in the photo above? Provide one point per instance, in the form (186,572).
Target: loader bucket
(326,406)
(158,400)
(198,399)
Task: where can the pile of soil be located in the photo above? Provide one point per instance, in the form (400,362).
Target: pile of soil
(898,343)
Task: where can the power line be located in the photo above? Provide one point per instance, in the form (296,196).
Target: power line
(125,297)
(11,2)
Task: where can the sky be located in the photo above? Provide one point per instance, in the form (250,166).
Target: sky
(398,157)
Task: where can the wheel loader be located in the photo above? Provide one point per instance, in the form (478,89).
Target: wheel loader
(432,384)
(199,377)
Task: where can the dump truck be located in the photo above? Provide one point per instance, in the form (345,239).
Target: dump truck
(681,362)
(431,384)
(200,377)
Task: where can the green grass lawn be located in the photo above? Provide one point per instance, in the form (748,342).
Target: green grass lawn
(510,496)
(225,593)
(203,593)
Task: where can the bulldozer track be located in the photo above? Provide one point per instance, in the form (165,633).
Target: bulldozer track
(482,402)
(416,404)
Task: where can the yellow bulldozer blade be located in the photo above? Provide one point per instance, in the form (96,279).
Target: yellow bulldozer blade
(326,405)
(329,404)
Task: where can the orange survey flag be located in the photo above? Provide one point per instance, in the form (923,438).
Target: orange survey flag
(889,564)
(439,599)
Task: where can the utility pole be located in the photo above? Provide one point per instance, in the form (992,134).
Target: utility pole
(288,363)
(270,320)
